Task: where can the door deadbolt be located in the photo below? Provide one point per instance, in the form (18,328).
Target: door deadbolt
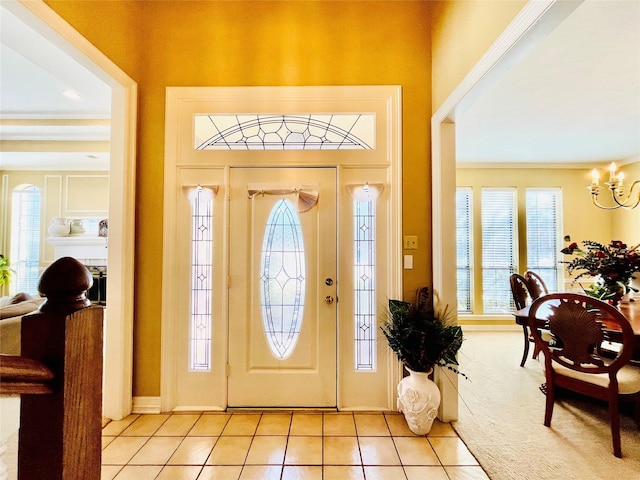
(328,282)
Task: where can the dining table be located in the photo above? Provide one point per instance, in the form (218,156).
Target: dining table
(631,311)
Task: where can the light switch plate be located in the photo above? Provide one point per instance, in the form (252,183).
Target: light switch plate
(410,242)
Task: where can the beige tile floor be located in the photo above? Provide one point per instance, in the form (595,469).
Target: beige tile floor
(282,446)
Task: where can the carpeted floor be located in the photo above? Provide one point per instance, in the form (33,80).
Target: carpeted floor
(501,417)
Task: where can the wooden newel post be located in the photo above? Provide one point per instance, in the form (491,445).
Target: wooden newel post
(60,433)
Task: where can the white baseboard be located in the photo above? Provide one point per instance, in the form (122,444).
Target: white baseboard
(146,405)
(196,408)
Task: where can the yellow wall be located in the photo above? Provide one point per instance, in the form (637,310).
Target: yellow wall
(69,194)
(626,223)
(462,33)
(580,218)
(182,43)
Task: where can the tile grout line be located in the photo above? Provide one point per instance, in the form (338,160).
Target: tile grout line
(359,436)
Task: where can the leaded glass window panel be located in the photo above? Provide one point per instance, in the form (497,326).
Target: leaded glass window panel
(337,131)
(282,279)
(201,277)
(365,282)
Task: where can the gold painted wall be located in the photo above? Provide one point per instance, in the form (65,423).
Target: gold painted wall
(214,43)
(577,206)
(209,43)
(626,223)
(462,32)
(580,219)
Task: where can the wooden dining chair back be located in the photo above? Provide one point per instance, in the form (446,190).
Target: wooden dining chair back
(522,298)
(536,284)
(520,291)
(569,329)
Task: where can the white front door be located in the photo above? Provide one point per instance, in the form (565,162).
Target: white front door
(282,287)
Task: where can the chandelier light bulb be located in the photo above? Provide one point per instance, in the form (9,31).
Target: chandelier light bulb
(621,197)
(612,172)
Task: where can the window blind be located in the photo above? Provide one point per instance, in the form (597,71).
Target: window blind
(542,207)
(464,260)
(499,247)
(25,239)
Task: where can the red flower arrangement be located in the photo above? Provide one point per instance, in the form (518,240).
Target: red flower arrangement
(613,264)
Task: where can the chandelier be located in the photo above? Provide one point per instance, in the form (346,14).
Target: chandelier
(622,197)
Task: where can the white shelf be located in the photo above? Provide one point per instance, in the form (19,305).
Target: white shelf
(87,248)
(77,240)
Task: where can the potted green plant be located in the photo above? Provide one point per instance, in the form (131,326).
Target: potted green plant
(422,338)
(5,270)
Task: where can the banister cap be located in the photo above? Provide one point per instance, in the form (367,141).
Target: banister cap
(65,283)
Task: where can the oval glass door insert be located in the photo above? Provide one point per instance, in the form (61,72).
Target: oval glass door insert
(282,279)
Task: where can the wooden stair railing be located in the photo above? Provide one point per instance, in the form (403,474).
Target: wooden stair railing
(59,378)
(22,376)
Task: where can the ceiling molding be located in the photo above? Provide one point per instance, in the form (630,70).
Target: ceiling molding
(53,146)
(58,122)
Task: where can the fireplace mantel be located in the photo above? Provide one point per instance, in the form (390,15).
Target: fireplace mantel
(86,248)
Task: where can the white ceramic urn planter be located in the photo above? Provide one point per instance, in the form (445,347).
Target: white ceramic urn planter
(418,400)
(59,227)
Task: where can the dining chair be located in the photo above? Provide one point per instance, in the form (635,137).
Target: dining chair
(537,287)
(575,326)
(521,298)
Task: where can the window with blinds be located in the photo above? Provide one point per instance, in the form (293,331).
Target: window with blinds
(464,236)
(543,237)
(499,247)
(25,238)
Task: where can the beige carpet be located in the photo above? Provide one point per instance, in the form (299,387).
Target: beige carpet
(501,417)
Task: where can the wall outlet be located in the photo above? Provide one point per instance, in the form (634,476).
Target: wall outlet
(410,242)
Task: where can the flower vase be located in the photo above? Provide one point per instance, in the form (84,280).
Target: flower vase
(59,227)
(627,297)
(418,400)
(616,295)
(77,227)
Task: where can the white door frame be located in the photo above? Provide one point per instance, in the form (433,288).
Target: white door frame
(183,102)
(118,335)
(534,22)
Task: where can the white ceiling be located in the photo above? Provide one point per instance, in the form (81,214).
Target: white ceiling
(575,99)
(71,133)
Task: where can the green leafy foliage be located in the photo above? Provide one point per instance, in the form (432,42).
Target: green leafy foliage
(5,270)
(421,337)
